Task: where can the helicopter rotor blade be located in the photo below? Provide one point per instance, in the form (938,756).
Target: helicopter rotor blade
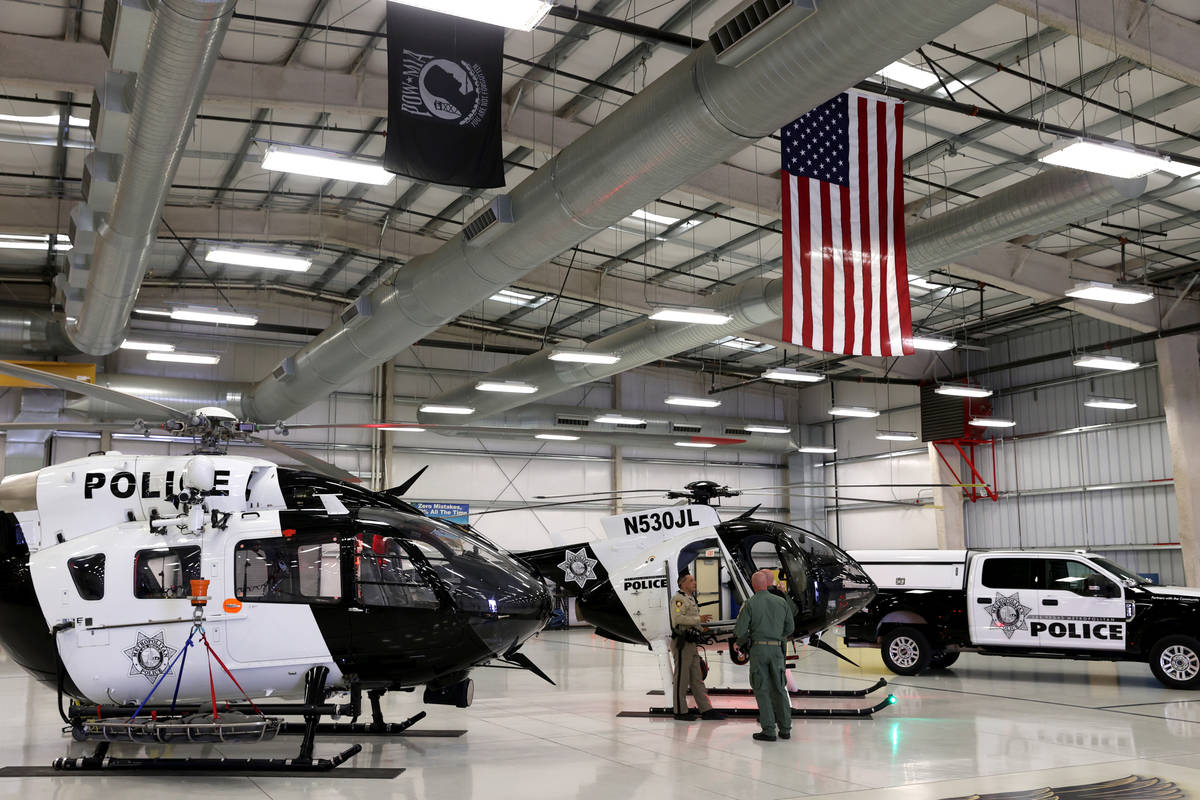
(862,486)
(139,405)
(601,494)
(70,426)
(318,465)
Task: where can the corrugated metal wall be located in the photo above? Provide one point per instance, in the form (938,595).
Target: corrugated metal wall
(1058,490)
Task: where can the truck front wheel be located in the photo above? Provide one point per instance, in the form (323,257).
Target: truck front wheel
(906,651)
(1175,661)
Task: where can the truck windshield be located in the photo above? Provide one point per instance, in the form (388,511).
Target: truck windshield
(1125,575)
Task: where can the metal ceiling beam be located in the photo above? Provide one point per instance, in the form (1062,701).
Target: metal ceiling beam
(1133,28)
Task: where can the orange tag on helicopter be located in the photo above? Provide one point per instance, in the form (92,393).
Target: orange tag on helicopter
(232,605)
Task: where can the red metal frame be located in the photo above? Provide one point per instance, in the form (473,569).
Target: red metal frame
(966,449)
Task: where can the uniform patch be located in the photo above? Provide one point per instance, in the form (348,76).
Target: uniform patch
(679,604)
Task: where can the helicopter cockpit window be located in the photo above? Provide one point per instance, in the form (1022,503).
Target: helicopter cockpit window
(301,568)
(165,572)
(386,575)
(88,574)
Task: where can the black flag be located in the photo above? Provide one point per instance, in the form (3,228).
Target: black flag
(443,98)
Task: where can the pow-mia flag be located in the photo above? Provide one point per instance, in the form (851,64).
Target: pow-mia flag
(443,98)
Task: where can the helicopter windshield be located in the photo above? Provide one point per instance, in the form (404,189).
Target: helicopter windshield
(835,587)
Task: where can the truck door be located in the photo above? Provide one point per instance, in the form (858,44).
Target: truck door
(1078,607)
(1003,592)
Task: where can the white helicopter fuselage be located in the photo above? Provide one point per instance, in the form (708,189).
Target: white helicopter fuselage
(110,560)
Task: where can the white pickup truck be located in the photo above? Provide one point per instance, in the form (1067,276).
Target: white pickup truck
(934,604)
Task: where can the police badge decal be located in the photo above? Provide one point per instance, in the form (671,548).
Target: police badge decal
(1008,614)
(151,656)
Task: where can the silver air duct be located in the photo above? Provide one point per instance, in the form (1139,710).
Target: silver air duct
(693,117)
(1043,202)
(183,44)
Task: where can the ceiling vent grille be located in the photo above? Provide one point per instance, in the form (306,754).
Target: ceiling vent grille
(676,428)
(942,417)
(736,432)
(741,35)
(575,422)
(640,426)
(487,223)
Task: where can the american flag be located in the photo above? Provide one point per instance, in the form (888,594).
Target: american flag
(845,272)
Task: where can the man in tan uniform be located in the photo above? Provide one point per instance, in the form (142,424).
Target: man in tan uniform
(686,627)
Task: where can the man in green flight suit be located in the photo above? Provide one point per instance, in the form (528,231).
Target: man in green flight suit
(764,625)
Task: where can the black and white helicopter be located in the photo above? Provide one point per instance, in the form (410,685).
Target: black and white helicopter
(317,586)
(622,583)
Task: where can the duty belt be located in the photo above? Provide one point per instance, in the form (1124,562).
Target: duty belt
(766,641)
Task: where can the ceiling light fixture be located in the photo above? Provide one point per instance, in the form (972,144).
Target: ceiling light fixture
(1112,159)
(1106,362)
(17,241)
(48,119)
(813,448)
(617,419)
(325,164)
(896,436)
(696,402)
(523,15)
(704,445)
(962,390)
(155,347)
(766,429)
(853,411)
(1107,293)
(512,298)
(933,343)
(583,357)
(908,75)
(509,387)
(436,409)
(792,375)
(922,283)
(183,358)
(257,258)
(404,429)
(699,316)
(152,312)
(212,315)
(992,422)
(1115,403)
(557,437)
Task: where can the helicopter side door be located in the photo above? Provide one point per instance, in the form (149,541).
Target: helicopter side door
(282,565)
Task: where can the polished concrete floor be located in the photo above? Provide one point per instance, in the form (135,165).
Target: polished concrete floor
(987,725)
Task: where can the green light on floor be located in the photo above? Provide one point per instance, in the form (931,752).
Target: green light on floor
(892,699)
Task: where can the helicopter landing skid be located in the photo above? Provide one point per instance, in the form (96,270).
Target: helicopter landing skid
(101,761)
(731,692)
(377,726)
(797,713)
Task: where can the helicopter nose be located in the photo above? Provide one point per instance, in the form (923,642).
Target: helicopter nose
(504,612)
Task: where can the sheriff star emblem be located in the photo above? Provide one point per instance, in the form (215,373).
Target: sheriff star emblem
(150,657)
(578,567)
(1008,614)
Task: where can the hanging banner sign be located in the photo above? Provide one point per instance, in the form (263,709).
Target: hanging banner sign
(453,512)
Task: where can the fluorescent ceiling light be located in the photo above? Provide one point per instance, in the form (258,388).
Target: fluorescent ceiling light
(156,347)
(659,218)
(581,357)
(520,298)
(1106,362)
(908,75)
(1115,403)
(17,241)
(405,429)
(932,343)
(1109,159)
(324,164)
(962,390)
(183,358)
(1107,293)
(792,375)
(700,316)
(767,429)
(742,343)
(47,119)
(992,422)
(617,419)
(813,448)
(896,436)
(436,409)
(211,315)
(257,258)
(695,444)
(921,283)
(523,15)
(557,437)
(853,411)
(511,387)
(1178,169)
(697,402)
